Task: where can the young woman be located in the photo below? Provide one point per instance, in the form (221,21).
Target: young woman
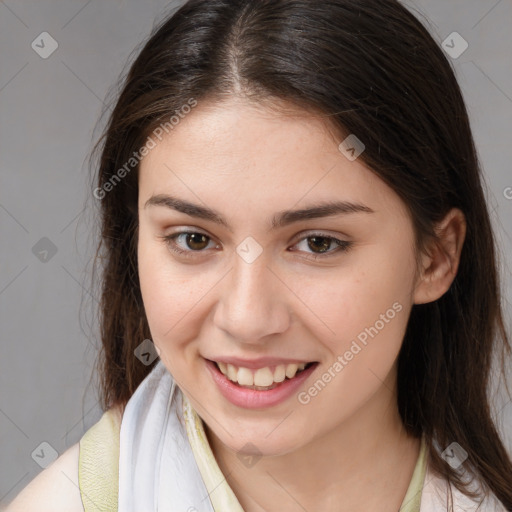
(300,292)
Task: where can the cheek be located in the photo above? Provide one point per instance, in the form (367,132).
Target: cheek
(172,293)
(366,302)
(368,313)
(380,306)
(164,293)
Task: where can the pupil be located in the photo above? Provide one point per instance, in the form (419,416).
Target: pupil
(322,246)
(196,238)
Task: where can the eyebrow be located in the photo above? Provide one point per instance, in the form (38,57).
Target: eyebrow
(281,219)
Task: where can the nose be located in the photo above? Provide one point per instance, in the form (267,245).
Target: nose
(253,302)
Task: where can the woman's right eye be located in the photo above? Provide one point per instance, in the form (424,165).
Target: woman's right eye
(191,242)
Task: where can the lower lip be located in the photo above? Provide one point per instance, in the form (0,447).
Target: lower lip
(253,398)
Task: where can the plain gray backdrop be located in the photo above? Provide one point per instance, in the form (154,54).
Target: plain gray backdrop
(50,104)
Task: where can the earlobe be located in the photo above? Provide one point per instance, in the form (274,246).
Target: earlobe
(440,265)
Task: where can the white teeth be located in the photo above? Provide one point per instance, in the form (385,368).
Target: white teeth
(232,372)
(245,377)
(291,370)
(262,377)
(280,373)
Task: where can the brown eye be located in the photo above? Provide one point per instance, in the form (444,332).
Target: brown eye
(188,244)
(196,241)
(319,243)
(318,246)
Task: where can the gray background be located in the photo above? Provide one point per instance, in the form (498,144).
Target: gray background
(49,109)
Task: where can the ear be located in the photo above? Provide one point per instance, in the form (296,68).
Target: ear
(439,265)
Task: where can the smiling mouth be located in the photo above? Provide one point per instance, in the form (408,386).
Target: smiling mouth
(261,379)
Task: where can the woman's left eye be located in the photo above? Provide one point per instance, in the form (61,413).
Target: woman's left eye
(320,244)
(195,242)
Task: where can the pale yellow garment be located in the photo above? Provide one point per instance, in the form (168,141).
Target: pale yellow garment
(221,495)
(98,466)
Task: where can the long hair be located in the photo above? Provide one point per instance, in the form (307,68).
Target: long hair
(373,70)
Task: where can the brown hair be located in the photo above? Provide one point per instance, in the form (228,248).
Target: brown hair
(374,71)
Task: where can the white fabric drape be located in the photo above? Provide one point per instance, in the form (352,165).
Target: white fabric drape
(157,469)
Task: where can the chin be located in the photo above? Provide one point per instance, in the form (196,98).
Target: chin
(259,443)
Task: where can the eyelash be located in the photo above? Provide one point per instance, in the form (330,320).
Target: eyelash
(343,245)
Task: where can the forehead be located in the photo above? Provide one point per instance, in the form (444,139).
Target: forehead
(237,129)
(238,154)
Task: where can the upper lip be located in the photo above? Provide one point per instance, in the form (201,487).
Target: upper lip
(260,362)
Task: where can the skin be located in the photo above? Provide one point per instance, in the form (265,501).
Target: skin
(346,450)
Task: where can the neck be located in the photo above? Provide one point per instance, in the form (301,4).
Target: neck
(366,463)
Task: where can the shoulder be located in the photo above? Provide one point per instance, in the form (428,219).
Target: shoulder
(54,489)
(436,496)
(57,487)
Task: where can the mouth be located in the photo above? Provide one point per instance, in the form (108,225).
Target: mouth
(257,388)
(261,379)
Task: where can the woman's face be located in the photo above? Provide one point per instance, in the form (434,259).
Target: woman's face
(261,283)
